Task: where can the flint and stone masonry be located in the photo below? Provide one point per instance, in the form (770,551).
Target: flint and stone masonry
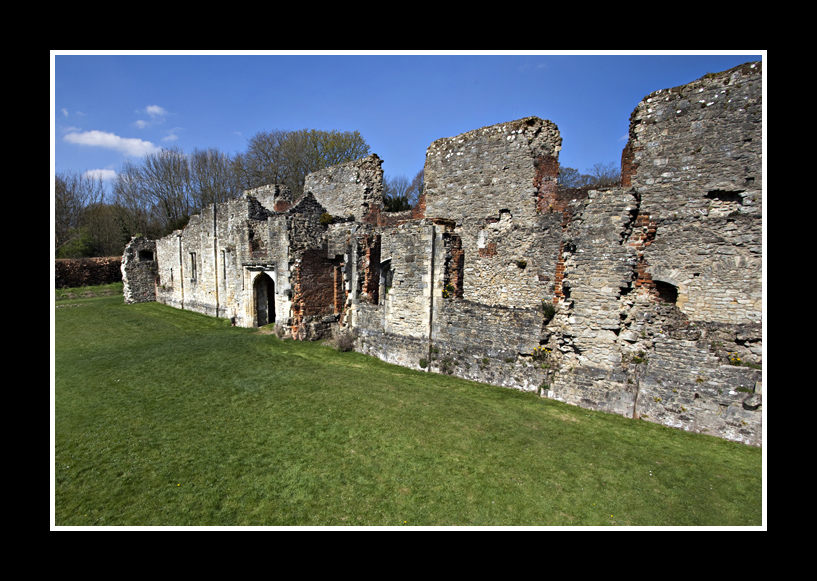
(643,300)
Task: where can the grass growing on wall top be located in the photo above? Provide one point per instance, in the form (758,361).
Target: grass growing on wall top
(167,417)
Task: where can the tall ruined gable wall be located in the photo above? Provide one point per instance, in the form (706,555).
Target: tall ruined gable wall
(495,186)
(468,280)
(350,189)
(508,166)
(697,152)
(662,278)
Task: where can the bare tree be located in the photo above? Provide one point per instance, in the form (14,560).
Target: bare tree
(165,184)
(73,194)
(599,175)
(605,175)
(395,193)
(211,178)
(136,212)
(104,223)
(416,187)
(265,161)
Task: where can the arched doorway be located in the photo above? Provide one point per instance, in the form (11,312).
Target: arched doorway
(264,292)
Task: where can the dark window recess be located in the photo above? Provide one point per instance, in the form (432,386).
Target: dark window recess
(667,292)
(725,196)
(145,255)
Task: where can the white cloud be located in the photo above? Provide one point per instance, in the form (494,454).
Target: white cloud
(100,174)
(64,112)
(171,135)
(155,111)
(126,145)
(157,116)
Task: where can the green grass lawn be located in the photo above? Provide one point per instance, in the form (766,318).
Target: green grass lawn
(166,417)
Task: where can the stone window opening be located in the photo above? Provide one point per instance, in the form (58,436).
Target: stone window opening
(666,292)
(145,256)
(453,266)
(192,266)
(386,279)
(722,202)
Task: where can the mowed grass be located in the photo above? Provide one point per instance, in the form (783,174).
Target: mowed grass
(166,417)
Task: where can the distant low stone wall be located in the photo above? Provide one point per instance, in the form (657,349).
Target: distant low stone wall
(73,272)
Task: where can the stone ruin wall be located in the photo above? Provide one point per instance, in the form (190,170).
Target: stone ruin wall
(349,189)
(650,329)
(139,268)
(656,285)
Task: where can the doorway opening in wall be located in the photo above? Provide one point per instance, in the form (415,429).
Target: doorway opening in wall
(264,292)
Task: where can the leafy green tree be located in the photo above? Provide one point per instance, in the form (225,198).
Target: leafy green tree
(286,157)
(79,244)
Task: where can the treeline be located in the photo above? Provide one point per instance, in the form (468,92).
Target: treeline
(157,194)
(599,175)
(160,192)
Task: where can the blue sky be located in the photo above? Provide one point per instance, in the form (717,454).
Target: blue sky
(107,108)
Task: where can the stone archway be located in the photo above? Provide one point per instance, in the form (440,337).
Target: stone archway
(264,297)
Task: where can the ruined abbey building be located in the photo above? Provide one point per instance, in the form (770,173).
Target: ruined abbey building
(643,300)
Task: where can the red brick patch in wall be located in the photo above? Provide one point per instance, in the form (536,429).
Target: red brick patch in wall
(282,205)
(419,210)
(628,165)
(559,276)
(643,235)
(547,169)
(314,288)
(489,250)
(371,267)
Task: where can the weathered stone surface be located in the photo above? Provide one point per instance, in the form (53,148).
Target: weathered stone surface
(643,300)
(139,271)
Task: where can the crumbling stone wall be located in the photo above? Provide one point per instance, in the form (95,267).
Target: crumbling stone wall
(493,169)
(349,189)
(139,270)
(697,151)
(643,299)
(663,276)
